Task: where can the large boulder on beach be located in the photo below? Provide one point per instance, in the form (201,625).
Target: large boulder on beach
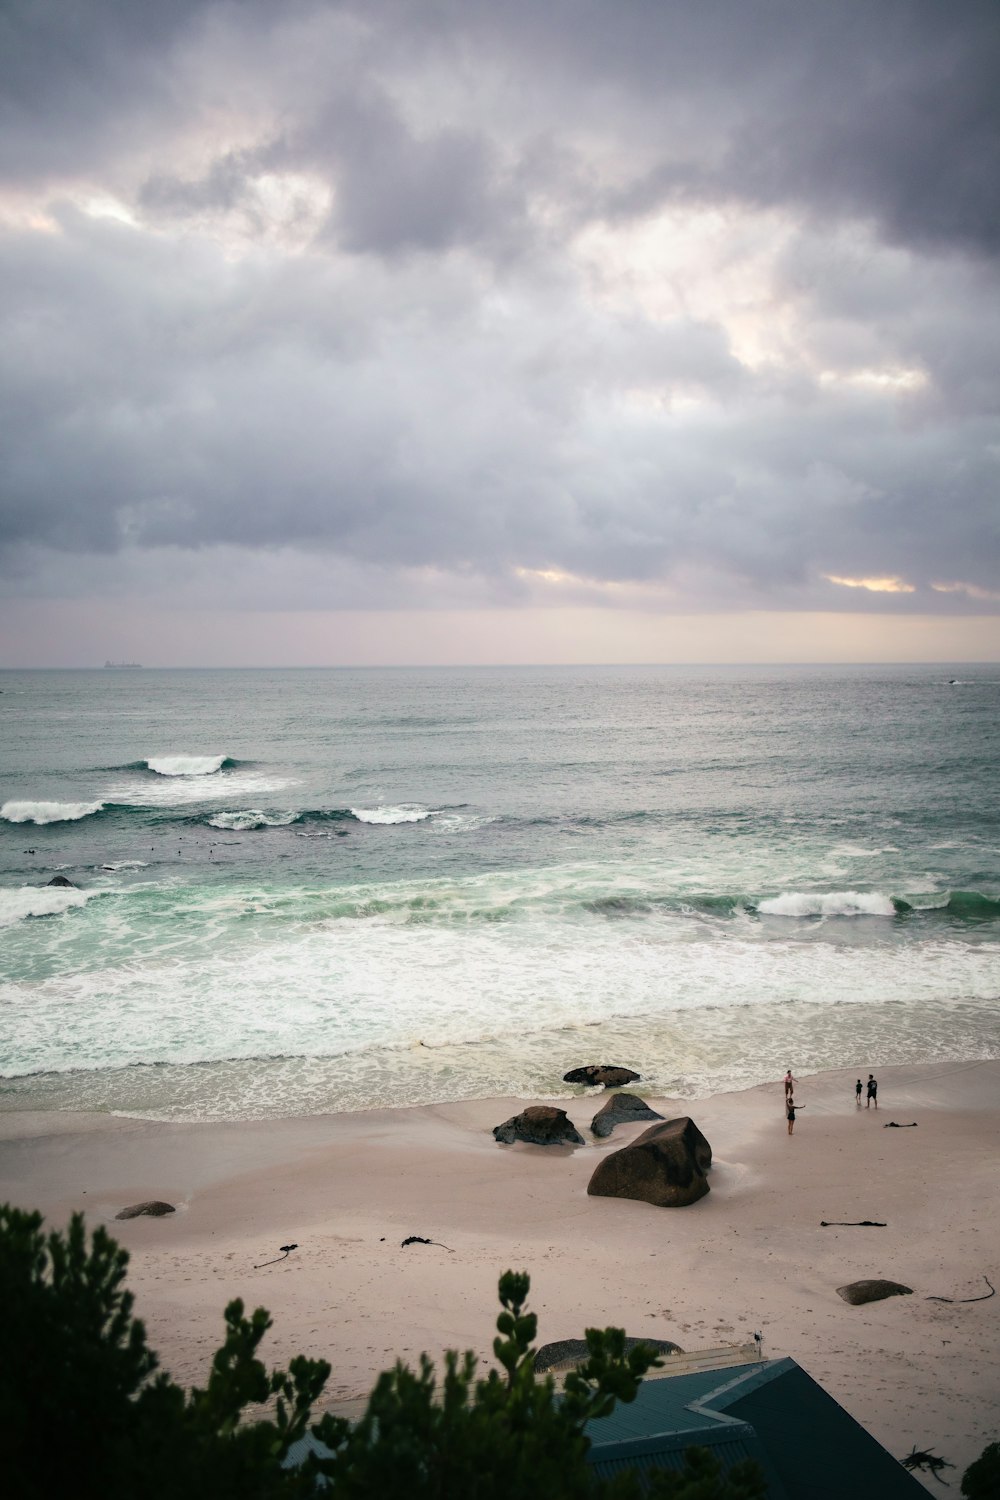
(539,1125)
(666,1166)
(567,1354)
(621,1109)
(858,1292)
(601,1074)
(154,1209)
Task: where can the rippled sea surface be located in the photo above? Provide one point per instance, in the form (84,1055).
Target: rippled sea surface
(300,891)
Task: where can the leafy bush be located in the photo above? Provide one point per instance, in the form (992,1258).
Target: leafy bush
(84,1412)
(981,1480)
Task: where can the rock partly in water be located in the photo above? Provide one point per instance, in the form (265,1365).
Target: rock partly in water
(665,1166)
(539,1125)
(61,880)
(603,1074)
(154,1209)
(567,1354)
(858,1292)
(621,1109)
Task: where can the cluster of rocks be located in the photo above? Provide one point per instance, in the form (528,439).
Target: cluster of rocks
(666,1165)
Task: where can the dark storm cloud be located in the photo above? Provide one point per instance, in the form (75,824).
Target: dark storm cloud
(410,366)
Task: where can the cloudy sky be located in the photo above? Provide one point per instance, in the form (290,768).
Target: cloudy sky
(445,330)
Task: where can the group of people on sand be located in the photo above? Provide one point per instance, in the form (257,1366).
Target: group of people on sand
(791,1106)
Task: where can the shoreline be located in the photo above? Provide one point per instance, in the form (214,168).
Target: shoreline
(349,1187)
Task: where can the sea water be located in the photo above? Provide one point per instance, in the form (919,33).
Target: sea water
(304,891)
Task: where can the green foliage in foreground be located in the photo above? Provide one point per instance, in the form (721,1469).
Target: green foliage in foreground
(84,1412)
(981,1480)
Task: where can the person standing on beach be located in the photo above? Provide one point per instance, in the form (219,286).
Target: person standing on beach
(872,1092)
(789,1084)
(790,1108)
(857,1093)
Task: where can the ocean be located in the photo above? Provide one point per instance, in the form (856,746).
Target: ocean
(301,891)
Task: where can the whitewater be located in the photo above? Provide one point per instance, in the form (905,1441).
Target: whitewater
(304,891)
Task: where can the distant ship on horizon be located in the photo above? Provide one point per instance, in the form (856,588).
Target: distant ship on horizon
(123,666)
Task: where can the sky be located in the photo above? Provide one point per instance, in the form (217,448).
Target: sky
(452,331)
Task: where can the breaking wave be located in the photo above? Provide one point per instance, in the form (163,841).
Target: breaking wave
(38,901)
(406,812)
(252,817)
(186,765)
(48,812)
(829,904)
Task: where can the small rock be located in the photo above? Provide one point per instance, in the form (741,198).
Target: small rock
(154,1209)
(539,1125)
(858,1292)
(621,1109)
(566,1354)
(601,1073)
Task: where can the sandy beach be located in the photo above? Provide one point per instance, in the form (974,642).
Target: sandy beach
(348,1188)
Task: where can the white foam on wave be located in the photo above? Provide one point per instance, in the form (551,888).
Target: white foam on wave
(125,864)
(185,765)
(38,901)
(250,818)
(405,812)
(173,791)
(828,904)
(48,812)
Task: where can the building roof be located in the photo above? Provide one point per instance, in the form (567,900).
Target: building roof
(809,1447)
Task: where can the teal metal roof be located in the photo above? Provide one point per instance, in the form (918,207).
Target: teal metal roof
(664,1405)
(808,1446)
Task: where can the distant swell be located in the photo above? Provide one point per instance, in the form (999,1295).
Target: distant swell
(48,812)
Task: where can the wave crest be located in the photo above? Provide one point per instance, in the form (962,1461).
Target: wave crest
(405,812)
(48,812)
(187,765)
(828,904)
(250,818)
(38,901)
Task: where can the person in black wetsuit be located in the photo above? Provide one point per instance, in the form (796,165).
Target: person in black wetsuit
(872,1092)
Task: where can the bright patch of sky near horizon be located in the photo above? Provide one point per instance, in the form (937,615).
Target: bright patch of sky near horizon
(356,311)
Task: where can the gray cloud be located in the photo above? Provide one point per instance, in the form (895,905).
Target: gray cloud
(355,330)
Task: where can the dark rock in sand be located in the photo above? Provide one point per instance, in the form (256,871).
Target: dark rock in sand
(859,1292)
(539,1125)
(61,880)
(621,1109)
(566,1354)
(665,1166)
(602,1073)
(154,1209)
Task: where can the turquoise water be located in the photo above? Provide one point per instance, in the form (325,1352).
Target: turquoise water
(308,890)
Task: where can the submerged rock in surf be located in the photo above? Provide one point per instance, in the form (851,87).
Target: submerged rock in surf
(665,1166)
(621,1109)
(539,1125)
(602,1074)
(61,880)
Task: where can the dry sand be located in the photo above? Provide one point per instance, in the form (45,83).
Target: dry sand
(752,1255)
